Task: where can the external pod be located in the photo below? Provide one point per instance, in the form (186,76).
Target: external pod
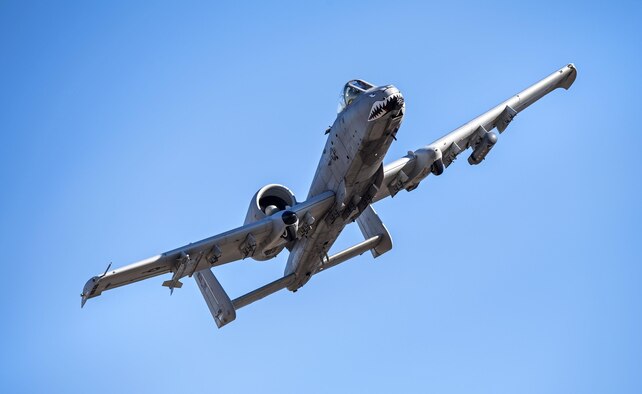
(483,147)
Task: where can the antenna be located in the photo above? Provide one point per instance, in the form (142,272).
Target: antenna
(105,273)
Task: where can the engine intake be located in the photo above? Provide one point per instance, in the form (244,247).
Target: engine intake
(273,201)
(269,200)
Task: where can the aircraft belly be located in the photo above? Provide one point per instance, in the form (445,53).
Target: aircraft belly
(372,148)
(349,170)
(359,159)
(339,165)
(307,254)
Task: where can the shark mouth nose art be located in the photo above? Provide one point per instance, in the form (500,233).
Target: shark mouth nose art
(382,107)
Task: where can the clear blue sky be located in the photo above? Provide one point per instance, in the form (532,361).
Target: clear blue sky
(129,130)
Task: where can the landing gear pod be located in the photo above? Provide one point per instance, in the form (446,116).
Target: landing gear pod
(427,160)
(291,222)
(437,167)
(483,147)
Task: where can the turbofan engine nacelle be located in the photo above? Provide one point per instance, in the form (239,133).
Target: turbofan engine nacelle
(427,160)
(273,201)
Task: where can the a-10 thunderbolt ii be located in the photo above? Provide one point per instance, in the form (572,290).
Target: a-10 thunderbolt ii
(350,178)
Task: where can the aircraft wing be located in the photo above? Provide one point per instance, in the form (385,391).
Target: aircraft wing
(223,248)
(407,172)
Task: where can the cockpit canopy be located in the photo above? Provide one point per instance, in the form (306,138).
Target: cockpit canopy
(351,91)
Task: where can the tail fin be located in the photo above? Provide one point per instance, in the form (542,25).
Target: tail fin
(371,225)
(216,298)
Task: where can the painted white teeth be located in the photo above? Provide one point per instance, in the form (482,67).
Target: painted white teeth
(378,108)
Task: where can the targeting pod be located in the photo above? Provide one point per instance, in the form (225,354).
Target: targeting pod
(484,146)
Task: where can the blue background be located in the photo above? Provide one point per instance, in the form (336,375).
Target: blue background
(130,129)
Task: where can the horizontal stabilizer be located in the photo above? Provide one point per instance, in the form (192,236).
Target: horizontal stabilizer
(351,252)
(263,292)
(287,280)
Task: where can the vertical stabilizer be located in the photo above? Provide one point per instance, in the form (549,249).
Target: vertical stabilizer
(216,298)
(371,225)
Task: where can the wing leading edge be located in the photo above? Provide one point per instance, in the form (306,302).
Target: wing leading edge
(407,172)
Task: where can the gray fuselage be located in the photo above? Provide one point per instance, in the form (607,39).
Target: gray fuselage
(350,166)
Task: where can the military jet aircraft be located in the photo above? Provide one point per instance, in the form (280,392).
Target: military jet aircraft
(350,178)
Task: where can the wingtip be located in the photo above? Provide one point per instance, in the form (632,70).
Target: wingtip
(570,78)
(89,290)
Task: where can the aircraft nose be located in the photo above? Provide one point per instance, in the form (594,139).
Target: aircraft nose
(397,100)
(392,101)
